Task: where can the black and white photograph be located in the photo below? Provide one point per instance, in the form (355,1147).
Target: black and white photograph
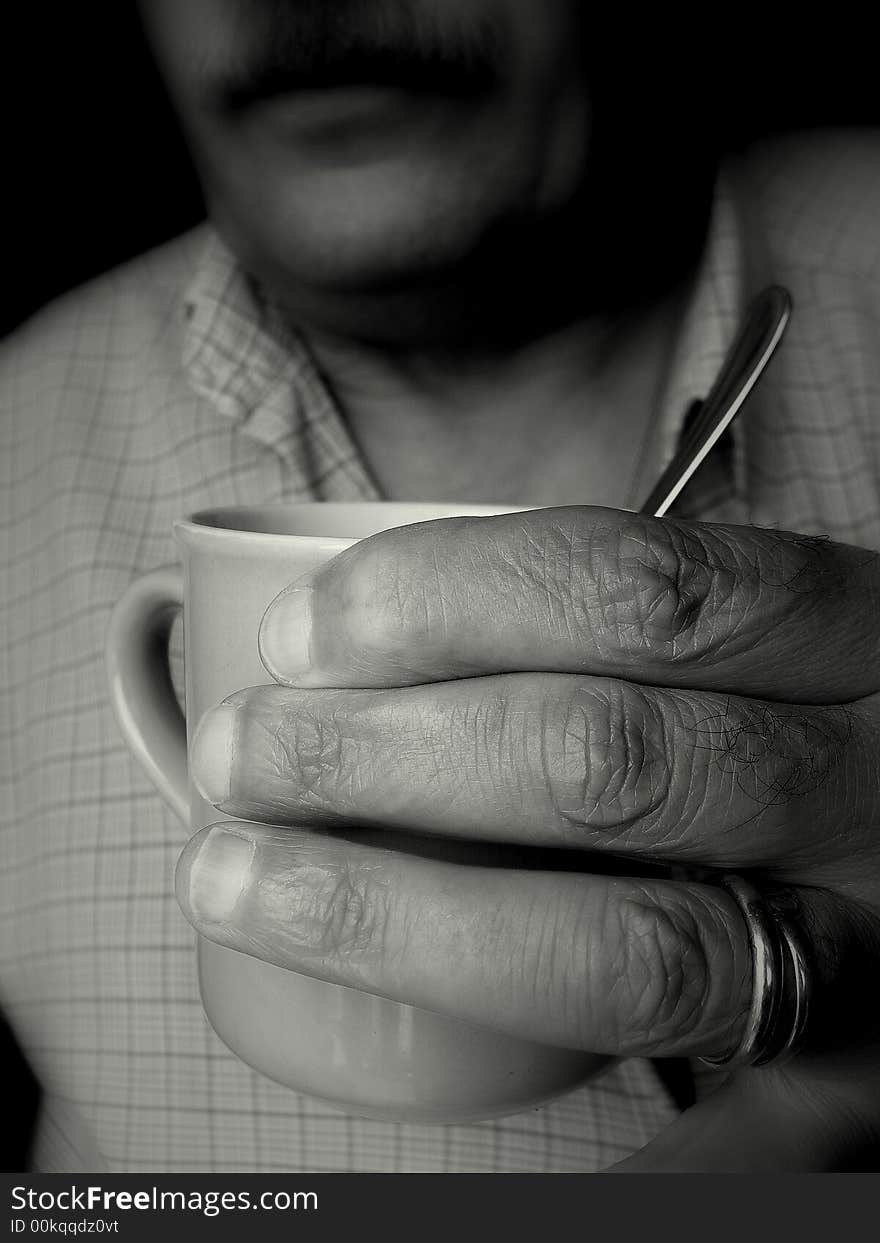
(439,595)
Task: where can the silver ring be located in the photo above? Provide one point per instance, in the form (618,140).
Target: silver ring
(781,984)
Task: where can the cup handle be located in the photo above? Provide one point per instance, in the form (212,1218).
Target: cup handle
(141,690)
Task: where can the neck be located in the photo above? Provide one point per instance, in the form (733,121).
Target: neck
(562,418)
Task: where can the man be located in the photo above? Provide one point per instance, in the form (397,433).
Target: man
(458,254)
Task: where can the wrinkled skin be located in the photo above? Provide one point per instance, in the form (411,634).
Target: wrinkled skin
(612,688)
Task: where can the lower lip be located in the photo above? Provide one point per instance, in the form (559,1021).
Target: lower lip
(350,117)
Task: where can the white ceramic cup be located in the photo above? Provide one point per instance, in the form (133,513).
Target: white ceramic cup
(374,1056)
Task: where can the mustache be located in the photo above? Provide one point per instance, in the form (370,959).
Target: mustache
(289,45)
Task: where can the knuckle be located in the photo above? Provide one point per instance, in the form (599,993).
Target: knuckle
(298,754)
(347,914)
(307,750)
(366,606)
(661,586)
(396,603)
(607,763)
(311,762)
(666,974)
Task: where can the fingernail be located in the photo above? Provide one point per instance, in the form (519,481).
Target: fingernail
(285,634)
(211,754)
(218,875)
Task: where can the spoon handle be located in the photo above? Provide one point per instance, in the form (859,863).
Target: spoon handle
(757,339)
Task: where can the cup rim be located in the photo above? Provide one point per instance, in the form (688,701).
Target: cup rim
(220,522)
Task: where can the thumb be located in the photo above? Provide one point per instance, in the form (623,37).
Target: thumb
(757,1122)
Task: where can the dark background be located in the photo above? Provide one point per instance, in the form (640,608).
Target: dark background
(98,172)
(97,168)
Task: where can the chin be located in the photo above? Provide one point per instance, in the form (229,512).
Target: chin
(420,311)
(360,230)
(393,274)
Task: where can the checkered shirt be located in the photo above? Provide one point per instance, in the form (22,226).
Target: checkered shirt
(165,387)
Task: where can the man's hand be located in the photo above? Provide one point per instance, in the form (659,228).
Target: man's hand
(681,694)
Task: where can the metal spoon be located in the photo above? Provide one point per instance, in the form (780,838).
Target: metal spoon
(761,332)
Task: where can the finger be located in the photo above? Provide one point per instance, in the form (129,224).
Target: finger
(558,761)
(594,963)
(757,612)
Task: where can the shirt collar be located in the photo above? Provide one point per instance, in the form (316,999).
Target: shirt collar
(713,313)
(233,354)
(253,370)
